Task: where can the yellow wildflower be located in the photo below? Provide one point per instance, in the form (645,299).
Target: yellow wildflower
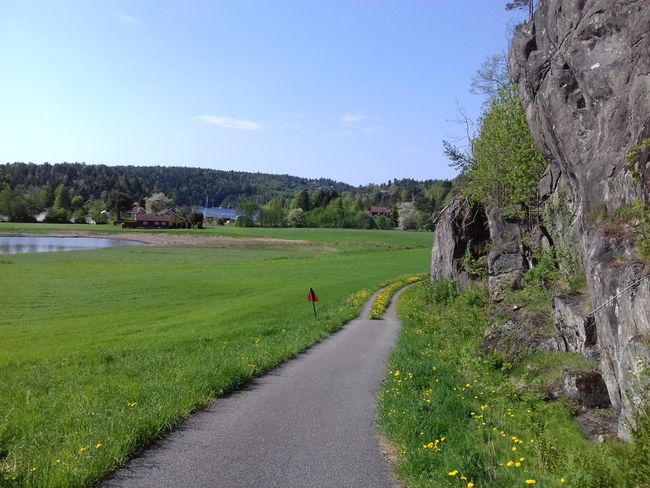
(99,445)
(470,485)
(509,464)
(530,482)
(453,473)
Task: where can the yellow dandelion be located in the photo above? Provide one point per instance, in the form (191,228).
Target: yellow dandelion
(513,448)
(99,445)
(57,461)
(509,464)
(562,480)
(470,485)
(453,473)
(530,482)
(517,464)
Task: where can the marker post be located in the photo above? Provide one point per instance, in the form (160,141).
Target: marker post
(311,297)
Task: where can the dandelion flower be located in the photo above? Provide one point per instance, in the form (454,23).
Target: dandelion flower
(99,445)
(470,485)
(530,482)
(509,464)
(453,473)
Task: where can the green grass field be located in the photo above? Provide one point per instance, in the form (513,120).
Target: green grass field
(103,351)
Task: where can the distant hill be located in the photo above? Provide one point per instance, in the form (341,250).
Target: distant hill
(186,186)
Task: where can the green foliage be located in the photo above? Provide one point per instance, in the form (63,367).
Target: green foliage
(638,215)
(441,292)
(476,267)
(196,218)
(296,217)
(57,216)
(633,159)
(14,206)
(490,431)
(641,443)
(384,223)
(120,186)
(134,360)
(62,198)
(157,202)
(248,212)
(508,164)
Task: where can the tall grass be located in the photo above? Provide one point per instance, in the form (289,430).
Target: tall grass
(103,351)
(460,419)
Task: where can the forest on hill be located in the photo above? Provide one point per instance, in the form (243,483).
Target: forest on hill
(71,191)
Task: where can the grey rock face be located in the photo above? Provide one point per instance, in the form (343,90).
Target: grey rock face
(578,332)
(583,72)
(461,229)
(587,389)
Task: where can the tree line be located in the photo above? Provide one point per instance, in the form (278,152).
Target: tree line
(72,191)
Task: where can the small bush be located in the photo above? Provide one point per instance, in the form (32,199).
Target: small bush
(442,291)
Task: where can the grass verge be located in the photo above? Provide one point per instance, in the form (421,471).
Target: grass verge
(103,351)
(383,298)
(461,420)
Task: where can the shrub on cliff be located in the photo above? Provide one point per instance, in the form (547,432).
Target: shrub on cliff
(507,164)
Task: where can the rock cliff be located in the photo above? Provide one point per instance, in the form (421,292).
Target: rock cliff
(583,72)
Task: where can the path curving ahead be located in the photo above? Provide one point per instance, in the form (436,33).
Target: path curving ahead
(309,423)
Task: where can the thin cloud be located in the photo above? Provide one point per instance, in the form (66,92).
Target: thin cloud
(129,19)
(357,122)
(353,119)
(230,123)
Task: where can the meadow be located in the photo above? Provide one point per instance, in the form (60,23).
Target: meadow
(104,351)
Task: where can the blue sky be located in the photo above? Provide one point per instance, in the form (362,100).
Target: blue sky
(359,91)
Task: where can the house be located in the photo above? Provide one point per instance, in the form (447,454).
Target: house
(167,219)
(376,211)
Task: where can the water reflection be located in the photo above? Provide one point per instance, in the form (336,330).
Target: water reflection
(25,244)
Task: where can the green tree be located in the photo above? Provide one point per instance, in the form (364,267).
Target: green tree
(119,202)
(296,217)
(62,197)
(508,165)
(14,206)
(248,211)
(301,201)
(196,219)
(77,202)
(273,214)
(157,202)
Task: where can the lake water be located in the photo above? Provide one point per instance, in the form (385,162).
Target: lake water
(23,244)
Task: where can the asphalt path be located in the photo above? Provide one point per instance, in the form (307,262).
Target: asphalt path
(309,423)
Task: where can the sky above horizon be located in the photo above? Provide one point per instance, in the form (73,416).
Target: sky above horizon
(360,91)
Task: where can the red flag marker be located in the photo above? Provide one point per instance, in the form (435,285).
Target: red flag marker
(311,297)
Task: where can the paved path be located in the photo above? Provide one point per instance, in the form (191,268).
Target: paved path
(310,423)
